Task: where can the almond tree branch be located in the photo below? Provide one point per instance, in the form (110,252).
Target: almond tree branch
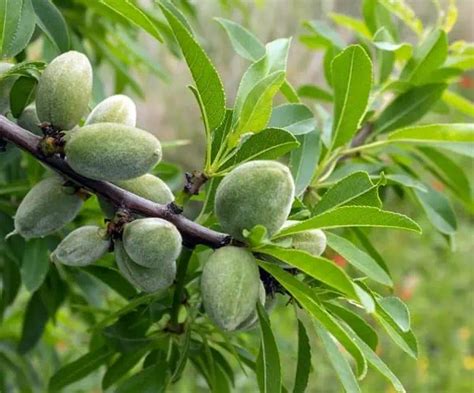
(191,232)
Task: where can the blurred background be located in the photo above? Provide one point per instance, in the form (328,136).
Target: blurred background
(433,280)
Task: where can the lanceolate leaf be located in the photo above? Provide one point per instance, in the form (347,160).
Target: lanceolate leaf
(320,268)
(358,324)
(17,24)
(346,191)
(352,81)
(35,264)
(79,368)
(34,321)
(435,133)
(268,144)
(295,118)
(52,23)
(304,159)
(134,14)
(427,57)
(397,310)
(359,259)
(338,361)
(354,216)
(409,107)
(270,375)
(314,92)
(303,367)
(244,42)
(438,209)
(305,296)
(203,71)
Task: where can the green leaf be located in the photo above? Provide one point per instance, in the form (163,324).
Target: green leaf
(397,310)
(11,281)
(259,84)
(303,366)
(268,144)
(426,58)
(360,327)
(367,245)
(458,102)
(351,23)
(243,41)
(153,379)
(304,159)
(449,172)
(315,92)
(406,181)
(79,368)
(323,36)
(319,268)
(403,11)
(270,375)
(16,27)
(52,23)
(203,71)
(257,108)
(113,279)
(409,107)
(35,264)
(295,118)
(379,365)
(354,216)
(306,297)
(346,192)
(34,322)
(118,369)
(438,210)
(405,340)
(128,10)
(435,133)
(338,361)
(359,259)
(21,94)
(352,81)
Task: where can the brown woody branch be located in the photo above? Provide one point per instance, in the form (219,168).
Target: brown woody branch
(191,232)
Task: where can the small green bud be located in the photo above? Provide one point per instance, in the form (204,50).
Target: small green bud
(147,186)
(230,286)
(116,109)
(29,120)
(81,247)
(152,242)
(109,151)
(147,280)
(255,193)
(64,90)
(46,208)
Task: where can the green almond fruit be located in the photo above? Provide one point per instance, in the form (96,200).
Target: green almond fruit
(113,152)
(230,286)
(313,241)
(152,242)
(115,109)
(29,120)
(251,321)
(147,186)
(81,247)
(147,280)
(64,90)
(255,193)
(47,207)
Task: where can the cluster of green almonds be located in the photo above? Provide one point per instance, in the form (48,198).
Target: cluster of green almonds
(254,193)
(108,147)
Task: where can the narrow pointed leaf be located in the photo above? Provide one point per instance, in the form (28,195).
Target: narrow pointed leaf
(295,118)
(52,23)
(352,81)
(435,133)
(303,366)
(354,216)
(204,73)
(397,310)
(304,159)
